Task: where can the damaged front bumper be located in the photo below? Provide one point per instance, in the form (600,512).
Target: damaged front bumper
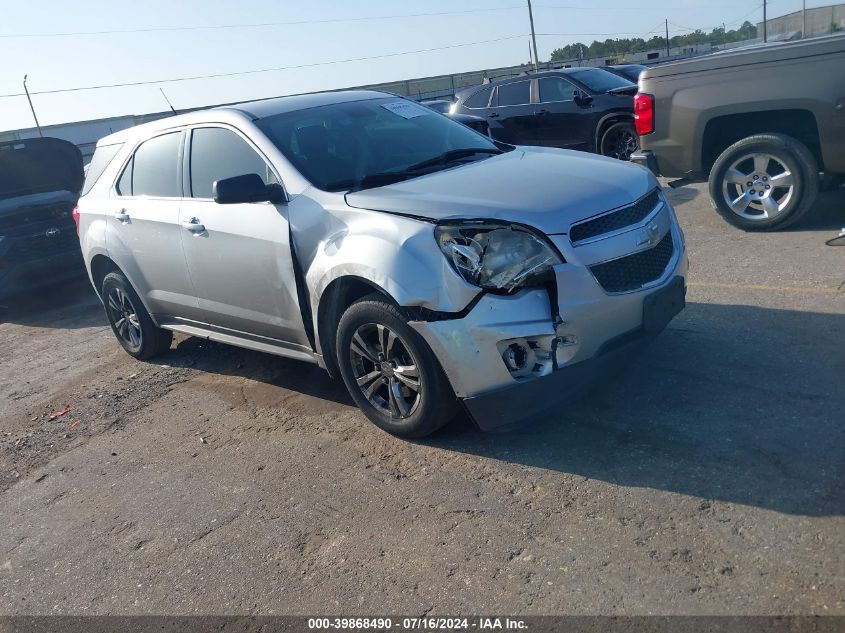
(513,357)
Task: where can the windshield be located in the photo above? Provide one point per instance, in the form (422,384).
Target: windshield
(338,146)
(598,80)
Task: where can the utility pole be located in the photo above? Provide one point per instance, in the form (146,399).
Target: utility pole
(765,33)
(28,98)
(803,19)
(533,37)
(667,37)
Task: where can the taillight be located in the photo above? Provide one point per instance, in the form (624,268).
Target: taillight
(75,215)
(644,113)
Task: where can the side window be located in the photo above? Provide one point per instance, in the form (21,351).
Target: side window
(555,89)
(99,161)
(154,168)
(518,93)
(124,185)
(480,99)
(218,153)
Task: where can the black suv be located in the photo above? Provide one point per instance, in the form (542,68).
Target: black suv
(40,179)
(587,109)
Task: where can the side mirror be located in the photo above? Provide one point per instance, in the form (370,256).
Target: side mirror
(246,188)
(838,240)
(582,98)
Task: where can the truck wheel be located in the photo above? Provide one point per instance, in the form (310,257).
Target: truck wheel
(130,321)
(390,372)
(764,182)
(619,141)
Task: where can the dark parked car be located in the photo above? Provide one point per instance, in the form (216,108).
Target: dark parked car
(40,179)
(444,106)
(441,105)
(631,72)
(475,122)
(575,108)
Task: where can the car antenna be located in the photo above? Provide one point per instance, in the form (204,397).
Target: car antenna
(168,101)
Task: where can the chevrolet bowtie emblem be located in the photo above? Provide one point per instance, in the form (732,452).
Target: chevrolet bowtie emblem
(649,235)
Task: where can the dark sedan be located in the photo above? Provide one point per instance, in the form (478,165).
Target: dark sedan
(631,72)
(575,108)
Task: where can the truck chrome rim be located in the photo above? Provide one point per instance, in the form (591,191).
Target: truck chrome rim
(385,370)
(620,144)
(758,186)
(124,317)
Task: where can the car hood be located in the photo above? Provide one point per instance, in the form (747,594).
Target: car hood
(39,165)
(546,188)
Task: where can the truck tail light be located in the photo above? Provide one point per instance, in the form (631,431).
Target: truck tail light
(75,215)
(644,113)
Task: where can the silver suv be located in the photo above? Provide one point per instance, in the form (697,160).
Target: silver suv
(421,261)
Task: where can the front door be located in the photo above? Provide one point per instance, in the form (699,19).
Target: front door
(144,237)
(239,255)
(562,121)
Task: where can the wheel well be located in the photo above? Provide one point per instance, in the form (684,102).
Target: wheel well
(606,123)
(100,267)
(722,132)
(336,298)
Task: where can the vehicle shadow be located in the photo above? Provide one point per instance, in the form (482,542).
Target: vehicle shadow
(682,195)
(66,306)
(219,358)
(827,214)
(732,403)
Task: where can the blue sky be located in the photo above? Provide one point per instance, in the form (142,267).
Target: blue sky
(29,43)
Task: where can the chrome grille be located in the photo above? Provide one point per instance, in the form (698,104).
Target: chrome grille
(616,220)
(632,272)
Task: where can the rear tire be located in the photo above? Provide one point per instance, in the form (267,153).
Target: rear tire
(390,371)
(619,140)
(764,182)
(130,321)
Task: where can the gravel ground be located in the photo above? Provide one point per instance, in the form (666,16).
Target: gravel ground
(707,479)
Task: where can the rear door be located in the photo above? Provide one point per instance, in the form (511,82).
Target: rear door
(562,122)
(144,237)
(239,255)
(512,115)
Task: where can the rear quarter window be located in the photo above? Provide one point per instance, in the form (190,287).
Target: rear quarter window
(479,100)
(103,155)
(154,169)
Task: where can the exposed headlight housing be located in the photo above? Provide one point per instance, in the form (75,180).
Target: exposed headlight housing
(499,257)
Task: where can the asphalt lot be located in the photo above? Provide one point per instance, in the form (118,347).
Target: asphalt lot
(707,479)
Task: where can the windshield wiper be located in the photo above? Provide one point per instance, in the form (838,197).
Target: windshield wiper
(389,177)
(453,154)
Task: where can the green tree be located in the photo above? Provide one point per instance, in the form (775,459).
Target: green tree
(622,46)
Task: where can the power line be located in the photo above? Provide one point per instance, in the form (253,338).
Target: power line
(159,29)
(259,70)
(602,8)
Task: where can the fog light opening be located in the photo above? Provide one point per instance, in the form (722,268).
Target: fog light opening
(515,357)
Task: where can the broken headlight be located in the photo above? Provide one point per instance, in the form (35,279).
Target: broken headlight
(495,256)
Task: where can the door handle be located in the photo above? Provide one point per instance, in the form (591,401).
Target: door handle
(493,115)
(121,216)
(193,225)
(542,112)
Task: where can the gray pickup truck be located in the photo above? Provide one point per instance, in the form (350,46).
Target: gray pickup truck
(764,125)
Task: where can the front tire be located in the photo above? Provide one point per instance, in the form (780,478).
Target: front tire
(390,372)
(130,321)
(764,182)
